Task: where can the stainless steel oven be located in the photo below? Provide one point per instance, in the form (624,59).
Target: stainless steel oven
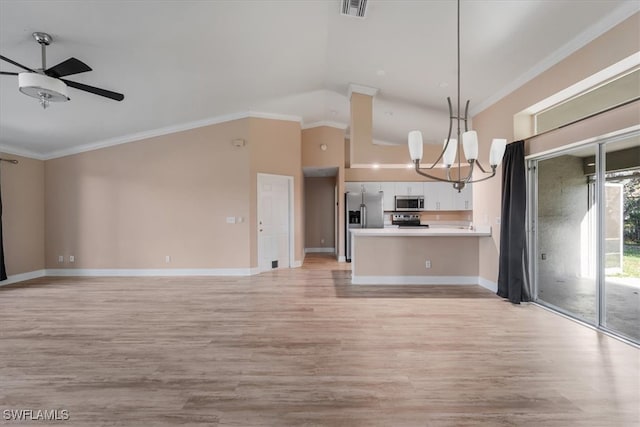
(409,203)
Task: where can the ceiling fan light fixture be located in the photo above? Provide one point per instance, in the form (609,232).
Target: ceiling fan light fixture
(45,88)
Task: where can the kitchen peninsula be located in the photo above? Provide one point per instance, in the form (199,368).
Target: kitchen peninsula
(416,256)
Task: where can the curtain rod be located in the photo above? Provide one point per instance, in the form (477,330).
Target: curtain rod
(15,162)
(606,110)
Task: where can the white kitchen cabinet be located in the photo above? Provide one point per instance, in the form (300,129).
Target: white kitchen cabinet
(438,196)
(409,189)
(441,196)
(389,195)
(353,187)
(372,187)
(463,201)
(358,187)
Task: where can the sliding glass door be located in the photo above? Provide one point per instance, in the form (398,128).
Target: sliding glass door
(585,233)
(621,222)
(566,273)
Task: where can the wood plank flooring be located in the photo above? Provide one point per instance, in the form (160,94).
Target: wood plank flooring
(303,347)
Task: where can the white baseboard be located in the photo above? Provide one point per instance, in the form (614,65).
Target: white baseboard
(297,264)
(342,258)
(415,280)
(488,284)
(319,250)
(15,278)
(138,272)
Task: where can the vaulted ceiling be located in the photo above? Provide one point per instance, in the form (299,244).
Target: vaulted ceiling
(181,63)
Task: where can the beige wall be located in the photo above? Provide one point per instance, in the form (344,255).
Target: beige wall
(275,147)
(319,196)
(334,156)
(130,205)
(23,214)
(497,121)
(382,174)
(362,150)
(406,256)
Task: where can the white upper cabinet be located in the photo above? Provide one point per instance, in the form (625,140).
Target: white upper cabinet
(372,187)
(389,195)
(359,187)
(438,196)
(409,189)
(353,187)
(463,200)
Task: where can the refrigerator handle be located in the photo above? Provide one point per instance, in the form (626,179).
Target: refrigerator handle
(363,216)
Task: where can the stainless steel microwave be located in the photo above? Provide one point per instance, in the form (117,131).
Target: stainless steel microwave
(409,203)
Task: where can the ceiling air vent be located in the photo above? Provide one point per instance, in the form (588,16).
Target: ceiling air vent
(355,8)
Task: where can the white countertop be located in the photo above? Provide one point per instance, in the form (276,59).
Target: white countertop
(480,231)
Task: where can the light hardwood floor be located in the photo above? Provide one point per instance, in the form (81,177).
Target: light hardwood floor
(303,347)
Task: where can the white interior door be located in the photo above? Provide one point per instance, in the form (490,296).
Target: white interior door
(273,222)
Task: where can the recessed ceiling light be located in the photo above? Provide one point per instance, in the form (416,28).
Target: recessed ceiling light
(381,73)
(375,166)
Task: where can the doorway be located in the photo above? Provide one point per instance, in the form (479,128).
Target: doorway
(275,222)
(321,210)
(585,233)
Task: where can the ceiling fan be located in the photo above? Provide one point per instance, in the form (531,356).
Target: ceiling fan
(47,84)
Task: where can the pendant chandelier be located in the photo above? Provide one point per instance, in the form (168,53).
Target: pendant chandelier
(469,142)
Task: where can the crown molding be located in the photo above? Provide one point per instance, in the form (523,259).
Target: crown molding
(20,152)
(168,130)
(624,11)
(364,90)
(337,125)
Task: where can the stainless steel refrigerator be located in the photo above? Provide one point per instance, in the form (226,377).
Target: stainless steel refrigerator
(362,210)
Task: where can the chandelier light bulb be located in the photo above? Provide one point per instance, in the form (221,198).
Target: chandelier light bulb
(498,146)
(415,145)
(450,151)
(470,145)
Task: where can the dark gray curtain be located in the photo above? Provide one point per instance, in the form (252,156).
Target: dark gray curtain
(513,278)
(3,271)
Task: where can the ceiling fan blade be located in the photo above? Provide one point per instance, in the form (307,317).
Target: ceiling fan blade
(6,73)
(68,67)
(4,58)
(95,90)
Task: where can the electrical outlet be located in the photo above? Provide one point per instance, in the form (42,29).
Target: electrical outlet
(543,256)
(72,258)
(427,263)
(322,241)
(167,259)
(497,220)
(61,259)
